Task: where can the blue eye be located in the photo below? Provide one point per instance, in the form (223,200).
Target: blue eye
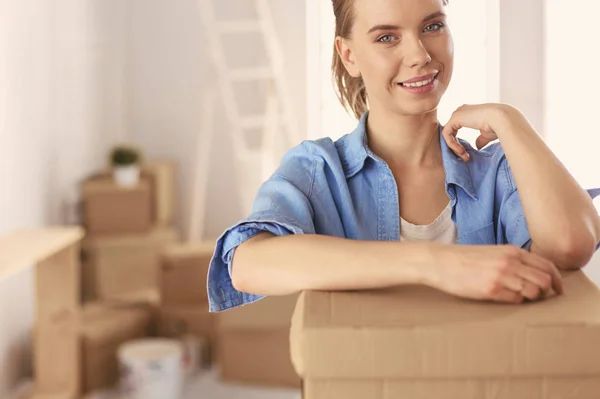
(434,27)
(386,39)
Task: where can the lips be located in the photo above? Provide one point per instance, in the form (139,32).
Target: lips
(422,80)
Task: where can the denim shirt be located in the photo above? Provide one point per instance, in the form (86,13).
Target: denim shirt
(343,189)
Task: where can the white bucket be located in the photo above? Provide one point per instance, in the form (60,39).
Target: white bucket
(151,369)
(191,356)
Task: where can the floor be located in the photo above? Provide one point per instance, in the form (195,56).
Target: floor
(208,386)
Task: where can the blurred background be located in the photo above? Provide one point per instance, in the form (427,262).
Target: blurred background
(210,94)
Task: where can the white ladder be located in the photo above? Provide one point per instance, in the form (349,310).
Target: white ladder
(278,125)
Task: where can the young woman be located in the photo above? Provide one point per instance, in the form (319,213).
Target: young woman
(395,201)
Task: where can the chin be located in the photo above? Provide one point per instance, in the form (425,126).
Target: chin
(415,108)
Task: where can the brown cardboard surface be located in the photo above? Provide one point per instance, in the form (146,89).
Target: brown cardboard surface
(24,248)
(111,209)
(58,284)
(103,329)
(420,333)
(521,388)
(270,312)
(256,357)
(49,395)
(183,273)
(162,175)
(123,264)
(56,355)
(173,322)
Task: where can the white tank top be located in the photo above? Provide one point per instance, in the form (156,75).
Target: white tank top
(442,229)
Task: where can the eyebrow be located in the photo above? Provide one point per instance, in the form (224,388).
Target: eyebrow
(395,27)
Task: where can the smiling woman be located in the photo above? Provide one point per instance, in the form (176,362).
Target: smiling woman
(351,86)
(401,200)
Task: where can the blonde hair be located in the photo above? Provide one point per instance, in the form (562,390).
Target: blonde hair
(350,91)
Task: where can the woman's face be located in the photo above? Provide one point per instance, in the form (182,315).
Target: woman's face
(394,43)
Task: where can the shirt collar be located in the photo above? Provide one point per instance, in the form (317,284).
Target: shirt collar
(355,150)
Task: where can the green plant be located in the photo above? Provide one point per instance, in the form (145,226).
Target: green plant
(125,155)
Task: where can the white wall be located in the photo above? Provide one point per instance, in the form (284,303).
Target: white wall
(170,69)
(61,81)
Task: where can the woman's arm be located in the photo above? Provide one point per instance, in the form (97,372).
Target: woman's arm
(561,216)
(273,265)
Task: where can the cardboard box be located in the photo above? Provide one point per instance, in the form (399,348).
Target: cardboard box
(418,343)
(179,322)
(58,284)
(162,175)
(174,322)
(184,270)
(56,355)
(104,328)
(253,343)
(111,209)
(55,395)
(114,266)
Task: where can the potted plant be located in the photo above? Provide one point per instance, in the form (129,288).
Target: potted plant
(125,161)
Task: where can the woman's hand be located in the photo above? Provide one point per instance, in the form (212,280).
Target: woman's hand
(481,117)
(501,273)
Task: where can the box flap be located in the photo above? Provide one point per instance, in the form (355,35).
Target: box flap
(99,185)
(157,236)
(189,250)
(418,332)
(102,324)
(270,312)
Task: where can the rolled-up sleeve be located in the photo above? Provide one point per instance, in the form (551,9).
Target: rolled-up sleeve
(514,223)
(281,207)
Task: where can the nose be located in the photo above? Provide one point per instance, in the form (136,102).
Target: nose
(416,54)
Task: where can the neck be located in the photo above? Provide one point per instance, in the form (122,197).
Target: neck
(405,140)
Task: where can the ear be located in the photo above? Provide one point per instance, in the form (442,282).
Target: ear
(346,53)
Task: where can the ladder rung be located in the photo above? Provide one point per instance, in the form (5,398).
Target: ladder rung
(251,74)
(239,26)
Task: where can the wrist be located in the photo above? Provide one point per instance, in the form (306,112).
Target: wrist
(425,260)
(505,119)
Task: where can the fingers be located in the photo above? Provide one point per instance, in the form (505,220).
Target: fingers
(525,288)
(541,279)
(508,296)
(544,266)
(481,142)
(531,291)
(513,282)
(449,132)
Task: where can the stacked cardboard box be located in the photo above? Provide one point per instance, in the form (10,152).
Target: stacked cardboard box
(118,265)
(184,300)
(56,351)
(253,343)
(104,327)
(54,254)
(127,230)
(414,342)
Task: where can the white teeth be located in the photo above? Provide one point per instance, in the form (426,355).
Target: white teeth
(419,84)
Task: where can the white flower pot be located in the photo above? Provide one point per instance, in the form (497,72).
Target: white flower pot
(126,176)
